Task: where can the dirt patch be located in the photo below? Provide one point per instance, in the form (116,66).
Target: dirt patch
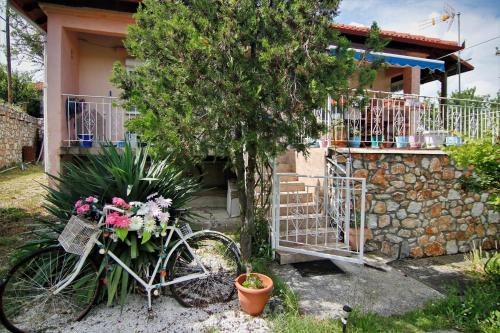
(439,273)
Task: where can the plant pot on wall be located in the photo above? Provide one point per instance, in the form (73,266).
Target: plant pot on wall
(253,301)
(453,140)
(86,140)
(355,141)
(376,141)
(402,141)
(434,139)
(354,235)
(416,141)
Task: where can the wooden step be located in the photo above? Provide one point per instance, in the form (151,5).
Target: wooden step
(296,197)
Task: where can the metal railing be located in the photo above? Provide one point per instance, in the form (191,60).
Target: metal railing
(95,119)
(322,216)
(382,118)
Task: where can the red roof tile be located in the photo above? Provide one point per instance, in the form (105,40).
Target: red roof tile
(400,37)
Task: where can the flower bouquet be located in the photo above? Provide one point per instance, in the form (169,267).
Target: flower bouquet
(146,218)
(87,208)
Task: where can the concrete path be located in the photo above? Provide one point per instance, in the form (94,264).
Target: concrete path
(372,290)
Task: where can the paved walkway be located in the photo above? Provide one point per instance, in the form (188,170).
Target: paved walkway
(385,292)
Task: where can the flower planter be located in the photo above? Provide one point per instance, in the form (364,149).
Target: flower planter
(354,237)
(434,139)
(402,142)
(416,141)
(86,140)
(376,141)
(253,301)
(355,142)
(453,141)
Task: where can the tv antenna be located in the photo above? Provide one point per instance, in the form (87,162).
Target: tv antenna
(448,15)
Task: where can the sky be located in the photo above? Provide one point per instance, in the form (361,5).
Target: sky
(479,21)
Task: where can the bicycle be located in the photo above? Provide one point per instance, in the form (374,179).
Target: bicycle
(60,284)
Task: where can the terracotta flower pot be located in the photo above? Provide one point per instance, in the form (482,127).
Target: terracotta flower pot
(253,301)
(354,237)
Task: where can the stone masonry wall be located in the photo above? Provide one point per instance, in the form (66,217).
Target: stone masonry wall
(416,207)
(17,129)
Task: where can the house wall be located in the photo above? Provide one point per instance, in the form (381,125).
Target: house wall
(63,58)
(17,129)
(416,206)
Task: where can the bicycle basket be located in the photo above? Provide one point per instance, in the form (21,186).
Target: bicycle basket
(78,236)
(185,229)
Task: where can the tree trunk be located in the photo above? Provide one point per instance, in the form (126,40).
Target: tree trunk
(8,55)
(248,225)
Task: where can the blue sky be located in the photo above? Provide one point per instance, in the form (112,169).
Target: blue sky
(480,21)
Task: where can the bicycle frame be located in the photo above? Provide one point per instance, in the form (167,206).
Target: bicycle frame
(148,286)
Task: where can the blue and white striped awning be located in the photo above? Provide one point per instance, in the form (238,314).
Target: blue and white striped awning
(397,60)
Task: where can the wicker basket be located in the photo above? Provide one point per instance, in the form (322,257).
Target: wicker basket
(78,236)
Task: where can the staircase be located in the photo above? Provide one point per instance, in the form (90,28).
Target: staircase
(303,222)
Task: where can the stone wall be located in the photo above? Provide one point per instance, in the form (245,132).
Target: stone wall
(17,129)
(416,206)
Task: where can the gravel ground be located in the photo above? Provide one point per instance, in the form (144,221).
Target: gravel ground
(169,316)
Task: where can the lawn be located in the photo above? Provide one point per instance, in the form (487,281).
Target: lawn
(21,196)
(473,309)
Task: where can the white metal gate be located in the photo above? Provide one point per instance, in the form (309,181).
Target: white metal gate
(322,216)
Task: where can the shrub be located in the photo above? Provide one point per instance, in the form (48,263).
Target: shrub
(127,174)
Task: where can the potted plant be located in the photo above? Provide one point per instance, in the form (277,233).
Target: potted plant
(86,140)
(402,141)
(416,140)
(338,133)
(434,139)
(376,140)
(355,231)
(453,140)
(254,290)
(355,138)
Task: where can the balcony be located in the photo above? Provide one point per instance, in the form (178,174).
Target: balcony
(390,120)
(92,120)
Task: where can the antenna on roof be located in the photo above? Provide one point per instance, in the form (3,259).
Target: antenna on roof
(448,15)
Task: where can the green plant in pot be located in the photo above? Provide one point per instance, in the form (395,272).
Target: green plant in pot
(254,290)
(355,138)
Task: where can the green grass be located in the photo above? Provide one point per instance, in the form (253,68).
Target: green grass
(475,309)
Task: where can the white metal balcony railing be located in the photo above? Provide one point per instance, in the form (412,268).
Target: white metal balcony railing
(402,120)
(96,119)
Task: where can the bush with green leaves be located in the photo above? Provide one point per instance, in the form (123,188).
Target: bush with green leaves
(128,174)
(483,155)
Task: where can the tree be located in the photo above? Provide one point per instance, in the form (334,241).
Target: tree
(24,91)
(236,78)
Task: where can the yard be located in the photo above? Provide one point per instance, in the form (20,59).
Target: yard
(21,197)
(470,303)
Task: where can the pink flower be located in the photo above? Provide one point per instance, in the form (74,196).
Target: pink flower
(82,209)
(118,220)
(120,203)
(79,203)
(89,199)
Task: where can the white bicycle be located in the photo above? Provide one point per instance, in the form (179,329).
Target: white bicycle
(60,284)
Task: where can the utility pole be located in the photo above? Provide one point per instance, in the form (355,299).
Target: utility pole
(8,55)
(459,62)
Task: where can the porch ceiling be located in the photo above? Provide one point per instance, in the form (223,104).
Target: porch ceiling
(31,8)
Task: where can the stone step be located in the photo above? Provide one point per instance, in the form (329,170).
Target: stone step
(291,209)
(296,197)
(284,167)
(303,222)
(292,186)
(288,257)
(323,237)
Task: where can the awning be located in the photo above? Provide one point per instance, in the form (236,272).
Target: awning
(398,60)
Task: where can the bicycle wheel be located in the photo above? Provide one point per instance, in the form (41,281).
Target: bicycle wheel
(27,299)
(221,258)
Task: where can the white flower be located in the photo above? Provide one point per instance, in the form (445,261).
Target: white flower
(155,210)
(136,223)
(144,209)
(163,217)
(149,224)
(149,197)
(162,202)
